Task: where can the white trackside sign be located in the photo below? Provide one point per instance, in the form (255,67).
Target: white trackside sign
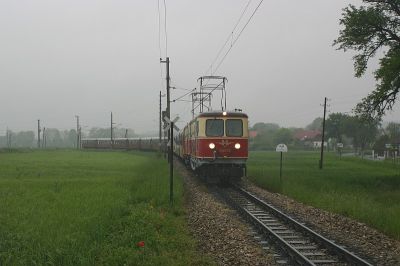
(281,148)
(168,123)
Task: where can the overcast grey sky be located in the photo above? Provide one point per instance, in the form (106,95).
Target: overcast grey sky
(61,58)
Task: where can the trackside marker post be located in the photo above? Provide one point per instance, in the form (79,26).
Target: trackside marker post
(281,148)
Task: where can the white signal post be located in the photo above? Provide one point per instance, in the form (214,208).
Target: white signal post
(281,148)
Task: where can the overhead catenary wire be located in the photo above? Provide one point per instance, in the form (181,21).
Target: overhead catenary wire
(228,38)
(180,97)
(159,41)
(240,33)
(209,94)
(165,28)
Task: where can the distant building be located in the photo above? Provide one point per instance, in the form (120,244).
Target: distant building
(304,135)
(318,144)
(253,134)
(309,138)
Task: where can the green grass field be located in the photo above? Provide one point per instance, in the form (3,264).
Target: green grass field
(91,208)
(365,190)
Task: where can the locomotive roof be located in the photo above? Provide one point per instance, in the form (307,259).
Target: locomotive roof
(219,114)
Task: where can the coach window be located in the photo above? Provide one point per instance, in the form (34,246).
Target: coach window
(234,128)
(214,127)
(197,127)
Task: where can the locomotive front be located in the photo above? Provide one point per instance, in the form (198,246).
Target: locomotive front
(217,144)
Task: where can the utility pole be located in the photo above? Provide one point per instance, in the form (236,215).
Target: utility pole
(171,166)
(80,136)
(8,138)
(168,96)
(159,133)
(168,90)
(321,160)
(112,132)
(44,138)
(77,132)
(38,130)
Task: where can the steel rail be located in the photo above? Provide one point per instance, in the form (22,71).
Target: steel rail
(289,250)
(334,248)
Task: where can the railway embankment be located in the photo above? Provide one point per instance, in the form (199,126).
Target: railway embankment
(220,232)
(378,248)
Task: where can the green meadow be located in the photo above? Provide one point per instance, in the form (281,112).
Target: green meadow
(91,208)
(367,191)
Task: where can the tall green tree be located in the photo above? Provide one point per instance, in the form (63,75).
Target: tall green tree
(393,131)
(363,131)
(316,124)
(368,29)
(283,135)
(336,125)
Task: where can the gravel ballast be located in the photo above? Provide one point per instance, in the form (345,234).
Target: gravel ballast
(220,232)
(223,235)
(365,241)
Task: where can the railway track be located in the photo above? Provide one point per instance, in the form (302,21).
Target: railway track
(299,244)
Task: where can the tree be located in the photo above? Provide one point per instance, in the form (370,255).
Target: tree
(336,125)
(264,139)
(393,131)
(25,139)
(316,124)
(263,127)
(367,30)
(363,131)
(283,135)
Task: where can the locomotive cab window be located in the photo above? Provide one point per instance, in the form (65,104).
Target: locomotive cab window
(234,128)
(214,127)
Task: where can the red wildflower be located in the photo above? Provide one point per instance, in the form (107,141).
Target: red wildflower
(140,244)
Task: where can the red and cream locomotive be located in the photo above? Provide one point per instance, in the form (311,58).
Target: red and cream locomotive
(215,145)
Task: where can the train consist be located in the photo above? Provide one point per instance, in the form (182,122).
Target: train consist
(215,145)
(122,143)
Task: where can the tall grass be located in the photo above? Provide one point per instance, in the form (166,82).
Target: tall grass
(86,208)
(365,190)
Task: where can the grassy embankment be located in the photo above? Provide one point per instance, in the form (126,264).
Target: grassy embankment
(365,190)
(90,208)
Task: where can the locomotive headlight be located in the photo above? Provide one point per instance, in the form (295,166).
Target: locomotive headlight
(211,145)
(237,146)
(224,113)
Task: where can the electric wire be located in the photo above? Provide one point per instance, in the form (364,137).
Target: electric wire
(227,39)
(165,28)
(208,94)
(180,97)
(159,40)
(240,33)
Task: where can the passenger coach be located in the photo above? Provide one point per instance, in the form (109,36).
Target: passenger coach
(215,144)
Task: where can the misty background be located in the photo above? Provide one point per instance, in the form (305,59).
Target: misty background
(64,58)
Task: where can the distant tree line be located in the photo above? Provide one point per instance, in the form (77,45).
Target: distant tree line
(354,132)
(55,138)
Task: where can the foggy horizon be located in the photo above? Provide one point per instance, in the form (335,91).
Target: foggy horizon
(61,59)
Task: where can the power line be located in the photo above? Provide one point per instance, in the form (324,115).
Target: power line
(165,28)
(180,97)
(229,37)
(240,33)
(159,40)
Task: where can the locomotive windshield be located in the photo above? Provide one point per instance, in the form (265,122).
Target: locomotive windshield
(215,127)
(234,128)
